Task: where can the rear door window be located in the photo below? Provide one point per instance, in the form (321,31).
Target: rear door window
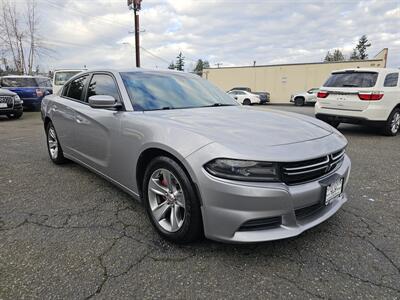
(19,82)
(352,79)
(391,80)
(76,87)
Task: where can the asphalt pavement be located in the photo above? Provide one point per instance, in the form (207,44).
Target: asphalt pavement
(66,233)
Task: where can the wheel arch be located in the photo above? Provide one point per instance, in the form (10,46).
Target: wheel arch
(46,121)
(147,155)
(301,97)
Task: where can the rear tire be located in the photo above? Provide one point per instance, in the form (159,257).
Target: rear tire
(333,123)
(171,197)
(53,145)
(299,101)
(246,102)
(15,116)
(392,125)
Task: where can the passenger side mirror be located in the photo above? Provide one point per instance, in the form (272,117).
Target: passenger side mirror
(102,101)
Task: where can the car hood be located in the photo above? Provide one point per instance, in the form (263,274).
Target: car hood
(243,125)
(5,92)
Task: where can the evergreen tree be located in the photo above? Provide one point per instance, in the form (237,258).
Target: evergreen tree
(200,65)
(180,62)
(362,46)
(171,66)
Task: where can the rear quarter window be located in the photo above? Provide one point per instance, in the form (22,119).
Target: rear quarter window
(391,80)
(352,79)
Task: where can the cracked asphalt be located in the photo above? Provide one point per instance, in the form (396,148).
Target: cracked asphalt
(66,233)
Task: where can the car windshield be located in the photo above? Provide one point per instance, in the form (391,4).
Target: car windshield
(352,79)
(25,82)
(62,77)
(153,91)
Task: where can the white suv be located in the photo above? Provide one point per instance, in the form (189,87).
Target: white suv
(361,96)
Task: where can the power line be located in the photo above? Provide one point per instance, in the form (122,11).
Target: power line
(154,55)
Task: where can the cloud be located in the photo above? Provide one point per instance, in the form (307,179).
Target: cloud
(95,32)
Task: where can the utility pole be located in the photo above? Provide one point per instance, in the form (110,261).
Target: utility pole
(136,5)
(218,64)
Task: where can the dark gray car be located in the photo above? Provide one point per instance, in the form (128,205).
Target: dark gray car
(200,162)
(10,104)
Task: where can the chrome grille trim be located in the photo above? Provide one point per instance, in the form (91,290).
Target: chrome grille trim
(310,166)
(7,99)
(305,171)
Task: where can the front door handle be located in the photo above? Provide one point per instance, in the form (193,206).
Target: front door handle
(79,120)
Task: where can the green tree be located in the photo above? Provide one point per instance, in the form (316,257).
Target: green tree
(200,65)
(171,66)
(180,62)
(354,55)
(337,55)
(328,56)
(362,46)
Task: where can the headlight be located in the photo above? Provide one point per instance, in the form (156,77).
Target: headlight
(244,170)
(17,99)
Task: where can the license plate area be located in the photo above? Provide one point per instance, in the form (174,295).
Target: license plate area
(3,105)
(333,190)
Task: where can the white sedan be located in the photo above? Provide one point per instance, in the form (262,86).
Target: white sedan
(245,98)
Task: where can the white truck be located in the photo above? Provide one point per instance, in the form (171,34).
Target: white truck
(61,76)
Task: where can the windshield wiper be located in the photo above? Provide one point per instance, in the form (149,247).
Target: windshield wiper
(218,104)
(350,85)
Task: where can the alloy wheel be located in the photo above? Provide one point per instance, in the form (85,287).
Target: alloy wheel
(166,199)
(52,142)
(395,122)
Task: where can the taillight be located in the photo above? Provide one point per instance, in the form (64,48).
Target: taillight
(370,96)
(39,93)
(322,94)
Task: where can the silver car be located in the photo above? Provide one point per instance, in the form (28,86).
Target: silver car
(199,162)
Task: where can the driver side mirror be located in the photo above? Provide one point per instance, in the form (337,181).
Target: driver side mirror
(102,101)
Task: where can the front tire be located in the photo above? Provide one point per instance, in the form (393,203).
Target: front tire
(171,202)
(246,102)
(333,123)
(392,125)
(53,145)
(299,101)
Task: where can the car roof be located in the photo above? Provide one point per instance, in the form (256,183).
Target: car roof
(69,70)
(23,76)
(139,70)
(378,70)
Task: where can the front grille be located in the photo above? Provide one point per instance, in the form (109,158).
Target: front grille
(305,212)
(307,170)
(7,99)
(261,224)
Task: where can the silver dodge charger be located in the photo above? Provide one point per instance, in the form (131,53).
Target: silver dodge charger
(200,163)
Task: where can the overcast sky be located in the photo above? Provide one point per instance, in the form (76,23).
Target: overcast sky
(95,33)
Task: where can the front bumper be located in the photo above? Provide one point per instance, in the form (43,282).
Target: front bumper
(17,108)
(227,205)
